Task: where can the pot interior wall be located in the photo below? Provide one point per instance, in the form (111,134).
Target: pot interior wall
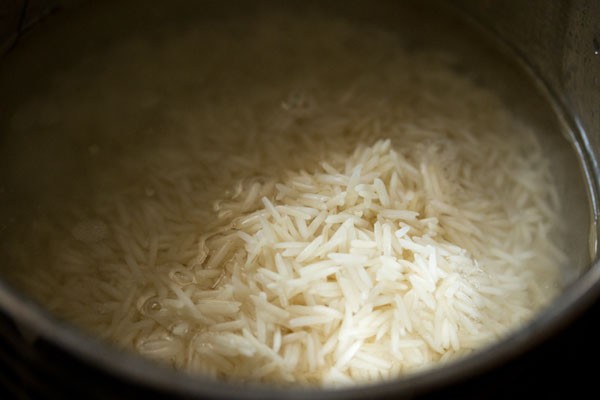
(46,168)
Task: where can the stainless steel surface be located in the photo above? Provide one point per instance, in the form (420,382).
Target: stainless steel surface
(557,41)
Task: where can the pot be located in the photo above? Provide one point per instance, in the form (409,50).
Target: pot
(551,48)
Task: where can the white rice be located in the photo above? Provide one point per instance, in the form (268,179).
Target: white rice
(380,224)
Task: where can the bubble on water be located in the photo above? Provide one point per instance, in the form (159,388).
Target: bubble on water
(596,45)
(90,231)
(151,306)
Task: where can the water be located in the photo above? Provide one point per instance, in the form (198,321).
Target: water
(90,105)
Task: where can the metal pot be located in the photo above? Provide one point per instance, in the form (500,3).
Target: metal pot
(555,44)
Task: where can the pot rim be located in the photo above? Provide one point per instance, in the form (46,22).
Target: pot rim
(31,318)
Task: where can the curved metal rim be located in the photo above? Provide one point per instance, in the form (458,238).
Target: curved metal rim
(575,300)
(564,310)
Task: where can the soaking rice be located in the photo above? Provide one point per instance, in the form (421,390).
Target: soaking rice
(380,224)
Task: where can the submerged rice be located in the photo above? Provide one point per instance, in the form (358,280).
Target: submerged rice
(317,229)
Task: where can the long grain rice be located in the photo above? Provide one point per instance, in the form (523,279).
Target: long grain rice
(383,223)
